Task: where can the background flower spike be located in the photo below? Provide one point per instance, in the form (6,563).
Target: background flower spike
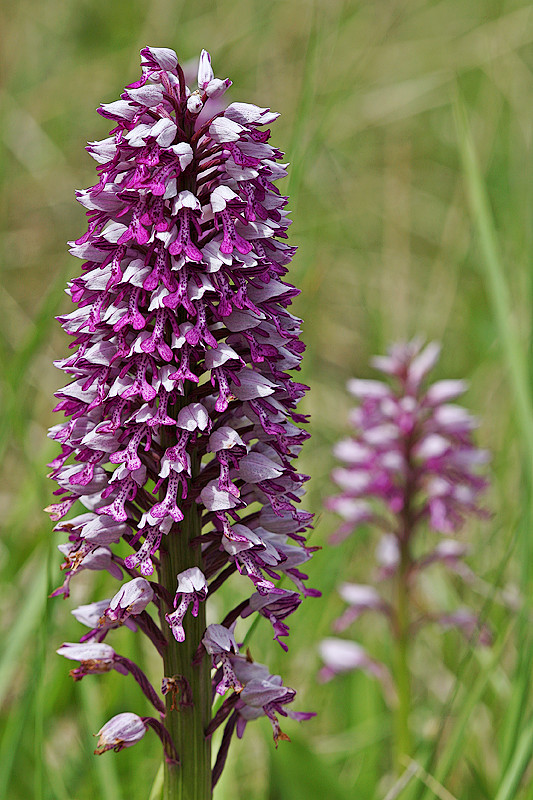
(410,466)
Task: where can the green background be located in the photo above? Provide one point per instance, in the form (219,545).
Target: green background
(408,126)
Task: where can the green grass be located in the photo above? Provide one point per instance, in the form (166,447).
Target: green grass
(409,130)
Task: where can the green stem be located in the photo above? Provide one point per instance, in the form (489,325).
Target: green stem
(402,673)
(191,780)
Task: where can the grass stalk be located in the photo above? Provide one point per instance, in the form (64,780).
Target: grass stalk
(514,350)
(521,758)
(402,743)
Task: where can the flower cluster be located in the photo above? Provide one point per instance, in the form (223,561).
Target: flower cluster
(181,415)
(256,692)
(410,465)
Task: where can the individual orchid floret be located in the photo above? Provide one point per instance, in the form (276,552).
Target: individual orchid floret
(96,659)
(142,558)
(192,588)
(220,644)
(81,555)
(93,616)
(122,730)
(126,729)
(360,598)
(468,623)
(131,600)
(341,655)
(181,411)
(275,607)
(267,696)
(207,82)
(410,465)
(262,694)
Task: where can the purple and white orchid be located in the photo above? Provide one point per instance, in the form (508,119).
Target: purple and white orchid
(410,465)
(125,730)
(182,424)
(257,693)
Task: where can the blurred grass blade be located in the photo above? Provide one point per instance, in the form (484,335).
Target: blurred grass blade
(157,786)
(15,371)
(456,742)
(403,781)
(42,647)
(480,781)
(429,753)
(521,758)
(306,103)
(514,350)
(521,689)
(44,320)
(296,771)
(31,609)
(11,739)
(57,784)
(515,354)
(435,787)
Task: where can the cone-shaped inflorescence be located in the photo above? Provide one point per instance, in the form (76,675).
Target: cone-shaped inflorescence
(410,466)
(182,428)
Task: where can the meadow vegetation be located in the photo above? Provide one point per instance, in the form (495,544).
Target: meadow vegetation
(408,126)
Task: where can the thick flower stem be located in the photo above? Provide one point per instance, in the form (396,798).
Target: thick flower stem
(191,780)
(402,675)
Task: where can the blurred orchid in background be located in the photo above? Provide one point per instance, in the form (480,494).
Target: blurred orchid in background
(410,466)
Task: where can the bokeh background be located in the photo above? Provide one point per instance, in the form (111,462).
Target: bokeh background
(408,125)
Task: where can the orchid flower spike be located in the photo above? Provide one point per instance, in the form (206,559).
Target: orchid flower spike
(182,423)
